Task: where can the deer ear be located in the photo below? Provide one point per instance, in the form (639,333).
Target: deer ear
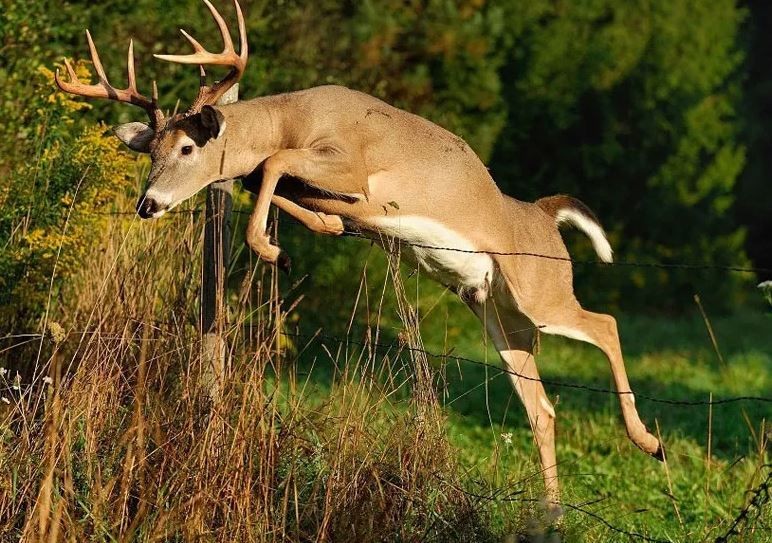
(137,136)
(213,122)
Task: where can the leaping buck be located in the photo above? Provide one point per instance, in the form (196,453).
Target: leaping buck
(330,156)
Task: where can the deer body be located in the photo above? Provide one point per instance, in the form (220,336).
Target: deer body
(404,178)
(337,159)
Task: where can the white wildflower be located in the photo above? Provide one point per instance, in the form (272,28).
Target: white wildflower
(5,400)
(47,380)
(507,437)
(3,371)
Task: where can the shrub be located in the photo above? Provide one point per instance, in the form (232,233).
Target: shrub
(60,182)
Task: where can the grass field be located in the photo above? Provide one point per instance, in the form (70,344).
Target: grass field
(688,499)
(111,434)
(714,455)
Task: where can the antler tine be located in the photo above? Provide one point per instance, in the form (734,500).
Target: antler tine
(193,41)
(95,58)
(226,35)
(228,57)
(103,89)
(153,110)
(130,63)
(243,45)
(70,72)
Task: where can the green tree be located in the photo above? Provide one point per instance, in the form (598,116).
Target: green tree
(632,106)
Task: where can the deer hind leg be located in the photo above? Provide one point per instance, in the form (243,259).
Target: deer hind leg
(601,330)
(320,223)
(515,338)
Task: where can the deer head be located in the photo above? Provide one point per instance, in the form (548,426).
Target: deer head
(185,149)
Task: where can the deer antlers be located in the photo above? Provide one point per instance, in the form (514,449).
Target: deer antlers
(228,57)
(206,95)
(104,89)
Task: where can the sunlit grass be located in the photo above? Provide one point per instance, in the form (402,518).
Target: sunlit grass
(320,438)
(667,359)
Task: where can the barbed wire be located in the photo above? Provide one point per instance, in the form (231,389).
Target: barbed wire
(461,359)
(516,496)
(617,529)
(550,382)
(617,263)
(760,496)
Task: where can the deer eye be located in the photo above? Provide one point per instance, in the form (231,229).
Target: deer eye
(186,150)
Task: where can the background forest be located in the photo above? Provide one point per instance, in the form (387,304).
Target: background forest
(656,113)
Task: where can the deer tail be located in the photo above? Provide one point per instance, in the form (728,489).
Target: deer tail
(568,210)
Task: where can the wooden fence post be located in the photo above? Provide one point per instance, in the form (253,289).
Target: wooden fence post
(217,243)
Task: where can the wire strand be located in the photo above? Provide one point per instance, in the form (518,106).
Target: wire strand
(560,384)
(617,263)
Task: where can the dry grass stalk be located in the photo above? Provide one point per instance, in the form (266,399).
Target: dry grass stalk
(127,444)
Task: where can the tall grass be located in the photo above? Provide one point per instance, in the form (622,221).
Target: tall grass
(112,435)
(111,432)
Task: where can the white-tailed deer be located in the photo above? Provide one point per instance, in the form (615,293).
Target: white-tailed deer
(330,156)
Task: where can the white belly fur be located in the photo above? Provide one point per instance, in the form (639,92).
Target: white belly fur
(469,273)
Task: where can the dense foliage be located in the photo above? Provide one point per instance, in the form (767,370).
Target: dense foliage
(60,177)
(633,107)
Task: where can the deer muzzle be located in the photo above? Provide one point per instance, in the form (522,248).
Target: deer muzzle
(149,207)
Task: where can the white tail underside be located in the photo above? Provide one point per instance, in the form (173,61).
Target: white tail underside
(591,229)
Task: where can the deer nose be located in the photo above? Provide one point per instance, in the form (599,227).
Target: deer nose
(147,207)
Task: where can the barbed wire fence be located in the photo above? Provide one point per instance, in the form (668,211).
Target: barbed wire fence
(759,499)
(550,382)
(750,514)
(759,496)
(399,345)
(693,266)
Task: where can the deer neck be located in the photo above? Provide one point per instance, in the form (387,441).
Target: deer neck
(255,130)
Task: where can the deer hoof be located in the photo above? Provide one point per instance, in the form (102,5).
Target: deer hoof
(284,262)
(659,454)
(350,228)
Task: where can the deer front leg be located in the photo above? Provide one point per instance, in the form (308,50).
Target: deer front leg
(321,168)
(257,237)
(315,221)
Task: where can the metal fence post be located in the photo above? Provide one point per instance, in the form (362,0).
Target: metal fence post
(217,242)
